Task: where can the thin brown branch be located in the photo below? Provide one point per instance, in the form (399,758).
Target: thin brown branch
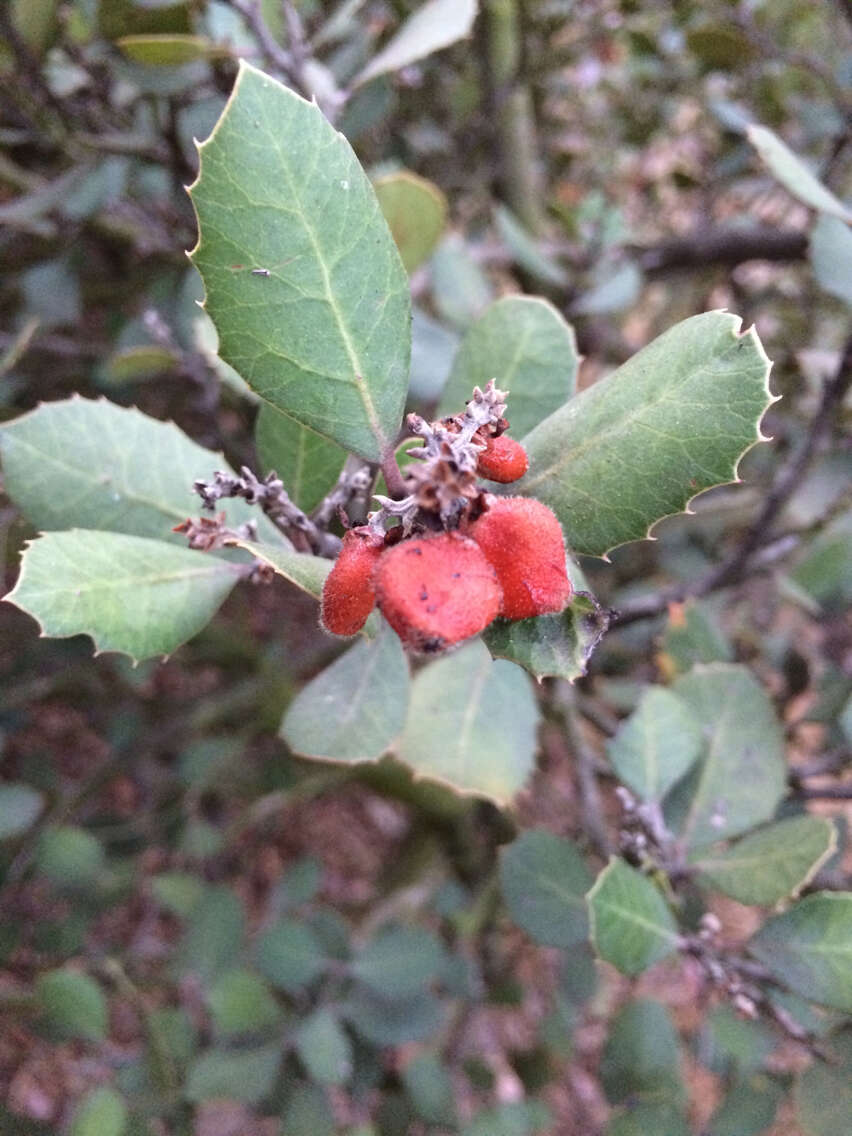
(725,247)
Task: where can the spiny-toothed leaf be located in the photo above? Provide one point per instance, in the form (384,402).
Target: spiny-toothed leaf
(130,594)
(303,279)
(94,465)
(525,344)
(472,724)
(638,445)
(767,866)
(355,709)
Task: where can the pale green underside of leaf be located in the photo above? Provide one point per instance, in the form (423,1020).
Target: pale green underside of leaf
(141,597)
(95,465)
(471,724)
(657,745)
(631,925)
(740,777)
(355,709)
(809,948)
(323,333)
(636,446)
(307,462)
(525,344)
(767,866)
(793,174)
(435,24)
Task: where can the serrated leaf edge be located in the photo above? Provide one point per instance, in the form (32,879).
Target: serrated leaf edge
(9,597)
(735,479)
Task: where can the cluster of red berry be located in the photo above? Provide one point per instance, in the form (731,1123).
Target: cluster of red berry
(460,557)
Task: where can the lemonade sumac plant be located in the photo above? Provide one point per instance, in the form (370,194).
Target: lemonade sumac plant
(439,526)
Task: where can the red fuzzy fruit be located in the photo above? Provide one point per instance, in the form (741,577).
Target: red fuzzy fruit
(503,460)
(437,590)
(347,595)
(521,537)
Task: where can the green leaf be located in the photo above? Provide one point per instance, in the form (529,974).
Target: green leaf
(642,1056)
(355,709)
(435,24)
(657,745)
(70,857)
(661,1118)
(809,948)
(793,174)
(102,1112)
(74,1004)
(399,962)
(305,571)
(460,289)
(472,724)
(741,777)
(433,348)
(631,925)
(393,1021)
(130,594)
(617,291)
(823,1093)
(748,1109)
(734,1047)
(767,866)
(323,333)
(289,955)
(133,364)
(637,445)
(95,465)
(324,1048)
(247,1075)
(241,1002)
(831,256)
(306,462)
(544,880)
(518,1118)
(693,636)
(36,22)
(416,212)
(527,251)
(550,646)
(20,808)
(214,936)
(430,1090)
(179,892)
(167,50)
(308,1113)
(525,344)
